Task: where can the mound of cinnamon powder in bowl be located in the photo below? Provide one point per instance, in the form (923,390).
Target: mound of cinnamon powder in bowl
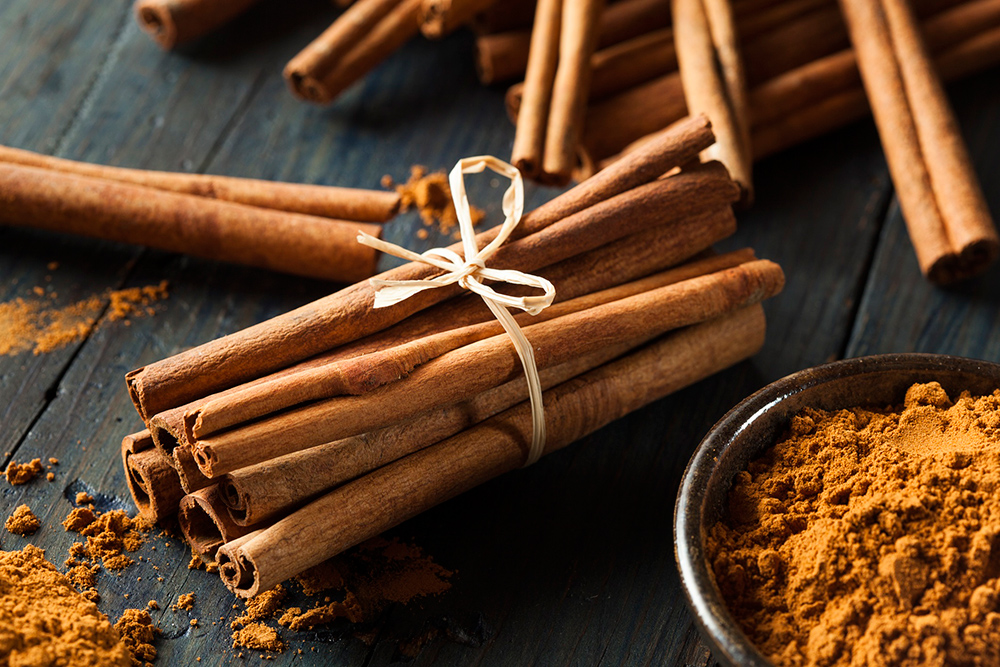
(870,537)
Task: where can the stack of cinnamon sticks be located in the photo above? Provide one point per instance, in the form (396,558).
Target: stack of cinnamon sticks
(284,444)
(306,230)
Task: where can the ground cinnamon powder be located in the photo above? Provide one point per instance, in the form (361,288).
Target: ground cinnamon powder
(23,521)
(430,194)
(44,621)
(37,325)
(870,537)
(22,473)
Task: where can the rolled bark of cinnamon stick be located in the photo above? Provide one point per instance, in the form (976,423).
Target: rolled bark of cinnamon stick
(365,35)
(543,59)
(173,22)
(359,375)
(320,200)
(714,84)
(151,479)
(350,514)
(939,194)
(191,476)
(442,17)
(263,491)
(205,521)
(570,89)
(626,19)
(502,56)
(504,17)
(488,363)
(348,315)
(288,242)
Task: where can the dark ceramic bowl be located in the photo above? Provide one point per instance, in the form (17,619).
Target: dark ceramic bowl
(753,426)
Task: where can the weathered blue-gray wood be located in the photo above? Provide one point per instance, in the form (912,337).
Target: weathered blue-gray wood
(570,561)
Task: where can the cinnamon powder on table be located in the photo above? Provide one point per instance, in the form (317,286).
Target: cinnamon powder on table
(44,621)
(430,194)
(870,537)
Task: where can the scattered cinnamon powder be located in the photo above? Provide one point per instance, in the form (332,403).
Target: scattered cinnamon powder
(46,622)
(22,473)
(22,521)
(185,601)
(295,619)
(871,537)
(138,633)
(258,636)
(108,535)
(84,498)
(34,324)
(430,194)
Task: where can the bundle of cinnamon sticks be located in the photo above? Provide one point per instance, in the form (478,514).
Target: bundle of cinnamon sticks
(306,230)
(284,444)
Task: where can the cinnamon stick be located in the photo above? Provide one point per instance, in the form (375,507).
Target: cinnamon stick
(946,214)
(191,476)
(321,200)
(543,59)
(504,17)
(351,513)
(570,90)
(711,72)
(442,17)
(173,22)
(626,19)
(289,242)
(488,363)
(347,315)
(364,373)
(151,479)
(503,56)
(361,38)
(205,522)
(263,491)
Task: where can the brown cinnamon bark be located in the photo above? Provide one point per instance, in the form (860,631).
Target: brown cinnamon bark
(480,366)
(321,200)
(417,482)
(946,214)
(543,59)
(570,90)
(626,19)
(288,242)
(263,491)
(192,478)
(361,374)
(347,315)
(205,522)
(441,17)
(361,38)
(711,72)
(173,22)
(504,17)
(502,56)
(151,479)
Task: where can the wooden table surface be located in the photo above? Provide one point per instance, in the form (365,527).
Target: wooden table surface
(567,562)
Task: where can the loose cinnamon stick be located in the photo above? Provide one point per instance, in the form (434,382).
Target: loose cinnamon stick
(504,17)
(529,139)
(151,479)
(503,56)
(945,212)
(570,90)
(361,38)
(359,375)
(288,242)
(205,522)
(711,72)
(626,19)
(321,200)
(442,17)
(422,480)
(488,363)
(173,22)
(263,491)
(347,315)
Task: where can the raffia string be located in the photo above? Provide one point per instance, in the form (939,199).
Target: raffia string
(471,271)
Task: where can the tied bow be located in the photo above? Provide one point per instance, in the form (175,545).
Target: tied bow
(470,272)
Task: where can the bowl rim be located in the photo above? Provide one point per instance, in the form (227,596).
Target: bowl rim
(703,597)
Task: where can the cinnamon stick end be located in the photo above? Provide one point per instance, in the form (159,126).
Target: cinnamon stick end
(305,87)
(156,21)
(974,260)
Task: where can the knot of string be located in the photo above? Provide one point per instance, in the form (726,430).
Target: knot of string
(470,271)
